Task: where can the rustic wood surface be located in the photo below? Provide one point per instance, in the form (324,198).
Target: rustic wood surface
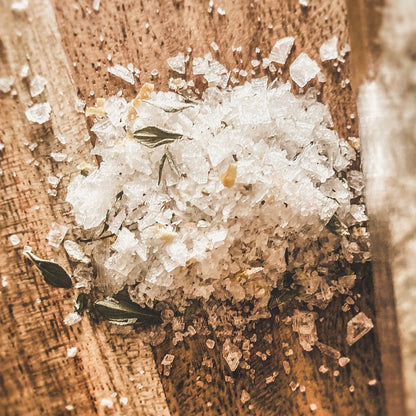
(36,377)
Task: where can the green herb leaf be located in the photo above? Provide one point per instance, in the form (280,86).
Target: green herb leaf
(54,274)
(82,303)
(161,164)
(122,311)
(153,136)
(172,107)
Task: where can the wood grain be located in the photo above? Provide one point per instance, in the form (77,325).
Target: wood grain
(41,380)
(37,377)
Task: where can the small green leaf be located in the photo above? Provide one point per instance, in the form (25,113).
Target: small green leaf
(82,303)
(122,311)
(153,136)
(172,107)
(54,274)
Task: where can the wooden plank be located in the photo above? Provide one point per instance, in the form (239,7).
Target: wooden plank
(37,377)
(174,25)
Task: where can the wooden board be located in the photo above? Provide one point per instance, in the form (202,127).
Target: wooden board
(36,376)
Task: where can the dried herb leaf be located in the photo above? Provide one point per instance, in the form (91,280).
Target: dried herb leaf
(169,157)
(54,274)
(161,164)
(336,226)
(122,311)
(82,303)
(153,136)
(172,107)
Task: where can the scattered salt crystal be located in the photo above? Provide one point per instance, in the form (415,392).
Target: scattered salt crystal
(303,69)
(255,63)
(304,324)
(302,388)
(96,5)
(39,113)
(357,327)
(4,281)
(245,396)
(1,147)
(372,382)
(56,234)
(71,352)
(343,361)
(75,252)
(303,3)
(328,350)
(351,389)
(121,72)
(106,402)
(215,46)
(329,49)
(293,385)
(53,181)
(124,400)
(313,407)
(168,359)
(286,366)
(20,5)
(323,369)
(210,343)
(336,373)
(281,50)
(231,354)
(154,73)
(6,84)
(14,240)
(58,157)
(177,63)
(72,318)
(37,85)
(220,11)
(79,105)
(69,407)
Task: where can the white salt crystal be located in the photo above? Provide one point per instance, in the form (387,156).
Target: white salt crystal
(358,212)
(214,46)
(79,105)
(39,113)
(168,359)
(14,240)
(124,400)
(303,69)
(286,367)
(58,157)
(20,5)
(357,327)
(106,402)
(71,352)
(37,85)
(323,369)
(231,354)
(121,72)
(96,5)
(69,407)
(343,361)
(177,63)
(281,50)
(313,407)
(75,252)
(24,71)
(6,84)
(53,181)
(245,396)
(72,318)
(329,49)
(56,234)
(372,382)
(220,11)
(304,324)
(210,343)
